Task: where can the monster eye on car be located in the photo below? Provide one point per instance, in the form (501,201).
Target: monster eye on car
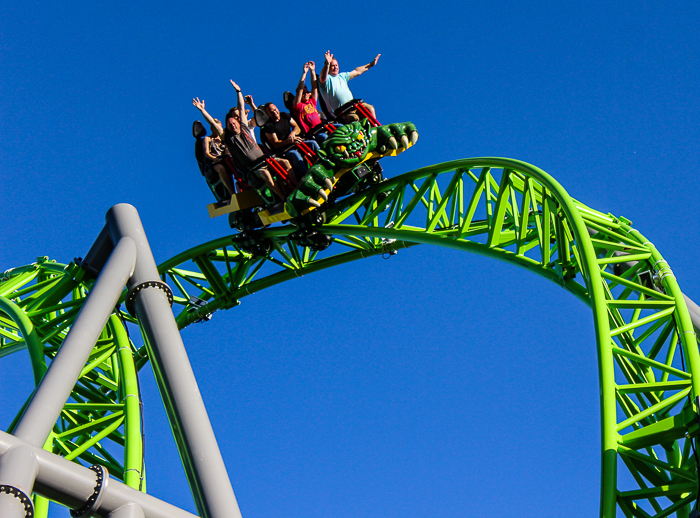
(340,149)
(360,136)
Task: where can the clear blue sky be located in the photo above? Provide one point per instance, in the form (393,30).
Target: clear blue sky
(430,384)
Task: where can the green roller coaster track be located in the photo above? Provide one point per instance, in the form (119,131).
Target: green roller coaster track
(649,367)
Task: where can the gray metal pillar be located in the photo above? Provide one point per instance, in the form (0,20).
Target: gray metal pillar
(694,311)
(18,469)
(72,485)
(13,505)
(58,382)
(127,511)
(188,417)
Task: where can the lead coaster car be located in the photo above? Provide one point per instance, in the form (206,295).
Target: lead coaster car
(352,149)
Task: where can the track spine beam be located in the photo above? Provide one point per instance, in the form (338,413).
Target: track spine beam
(648,361)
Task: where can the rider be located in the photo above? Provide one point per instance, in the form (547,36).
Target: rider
(251,121)
(245,152)
(282,131)
(304,106)
(334,85)
(213,149)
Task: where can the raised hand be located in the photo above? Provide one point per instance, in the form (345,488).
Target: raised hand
(198,104)
(312,66)
(374,61)
(306,67)
(329,57)
(235,86)
(249,100)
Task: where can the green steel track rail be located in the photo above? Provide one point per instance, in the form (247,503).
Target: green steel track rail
(648,359)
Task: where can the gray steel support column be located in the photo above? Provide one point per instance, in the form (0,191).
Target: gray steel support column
(58,382)
(18,469)
(11,507)
(183,402)
(694,311)
(99,252)
(71,485)
(127,511)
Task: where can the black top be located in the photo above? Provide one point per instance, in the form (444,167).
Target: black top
(282,128)
(244,150)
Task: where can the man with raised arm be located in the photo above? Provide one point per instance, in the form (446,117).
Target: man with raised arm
(251,121)
(334,85)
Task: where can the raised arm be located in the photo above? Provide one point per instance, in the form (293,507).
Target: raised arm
(314,83)
(249,101)
(200,106)
(300,86)
(364,68)
(241,104)
(324,70)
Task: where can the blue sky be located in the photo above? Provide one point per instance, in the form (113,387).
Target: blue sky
(433,383)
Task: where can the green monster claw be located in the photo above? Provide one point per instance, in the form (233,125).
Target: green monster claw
(347,147)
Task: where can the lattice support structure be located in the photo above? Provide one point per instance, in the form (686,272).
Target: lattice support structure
(505,209)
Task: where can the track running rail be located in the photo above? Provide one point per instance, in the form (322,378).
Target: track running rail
(505,209)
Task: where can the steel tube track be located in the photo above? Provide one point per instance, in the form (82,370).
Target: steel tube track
(505,209)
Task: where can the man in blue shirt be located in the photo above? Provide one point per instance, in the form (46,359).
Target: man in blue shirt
(334,85)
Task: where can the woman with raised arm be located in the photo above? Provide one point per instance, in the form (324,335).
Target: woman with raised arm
(305,104)
(213,147)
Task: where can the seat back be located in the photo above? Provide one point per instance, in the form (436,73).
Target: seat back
(199,132)
(288,99)
(198,129)
(217,187)
(261,117)
(325,111)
